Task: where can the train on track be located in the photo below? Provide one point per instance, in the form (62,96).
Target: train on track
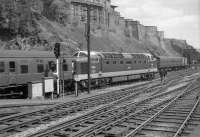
(17,68)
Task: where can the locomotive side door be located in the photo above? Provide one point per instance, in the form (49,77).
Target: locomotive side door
(100,64)
(4,78)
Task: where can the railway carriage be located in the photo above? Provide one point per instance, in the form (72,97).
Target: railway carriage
(17,68)
(171,63)
(109,67)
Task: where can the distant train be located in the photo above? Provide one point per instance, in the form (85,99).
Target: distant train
(17,68)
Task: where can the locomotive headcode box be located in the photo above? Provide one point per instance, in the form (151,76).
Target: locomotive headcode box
(35,89)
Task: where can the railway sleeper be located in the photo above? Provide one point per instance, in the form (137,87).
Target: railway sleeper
(175,114)
(171,117)
(116,132)
(169,121)
(62,134)
(169,130)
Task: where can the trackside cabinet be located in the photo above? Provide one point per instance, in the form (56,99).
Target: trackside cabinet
(35,89)
(48,86)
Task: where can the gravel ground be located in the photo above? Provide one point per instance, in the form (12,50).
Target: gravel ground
(53,123)
(67,118)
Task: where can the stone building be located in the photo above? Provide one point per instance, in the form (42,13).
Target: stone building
(74,12)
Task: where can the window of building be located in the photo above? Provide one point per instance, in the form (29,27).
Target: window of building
(107,62)
(121,62)
(2,66)
(24,69)
(40,68)
(140,62)
(12,66)
(114,62)
(135,62)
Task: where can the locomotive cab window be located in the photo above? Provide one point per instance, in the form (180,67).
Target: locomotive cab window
(128,62)
(2,66)
(40,68)
(107,62)
(52,66)
(24,69)
(65,67)
(12,66)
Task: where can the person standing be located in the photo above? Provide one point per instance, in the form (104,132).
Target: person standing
(161,73)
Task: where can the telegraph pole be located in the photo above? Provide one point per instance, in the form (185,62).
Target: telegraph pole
(88,44)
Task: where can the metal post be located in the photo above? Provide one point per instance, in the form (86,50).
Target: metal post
(88,44)
(63,78)
(76,89)
(58,75)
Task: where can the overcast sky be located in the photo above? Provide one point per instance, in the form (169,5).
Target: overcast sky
(178,18)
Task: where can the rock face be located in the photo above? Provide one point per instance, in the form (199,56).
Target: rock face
(38,24)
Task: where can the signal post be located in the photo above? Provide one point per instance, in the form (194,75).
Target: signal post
(57,55)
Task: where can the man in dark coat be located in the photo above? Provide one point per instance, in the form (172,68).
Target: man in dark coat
(161,73)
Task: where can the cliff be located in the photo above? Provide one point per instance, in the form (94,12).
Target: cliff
(38,24)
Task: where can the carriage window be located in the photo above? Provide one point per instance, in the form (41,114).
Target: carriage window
(40,68)
(24,69)
(12,66)
(52,66)
(2,67)
(65,67)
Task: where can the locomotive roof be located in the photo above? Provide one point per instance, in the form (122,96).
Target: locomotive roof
(112,55)
(170,57)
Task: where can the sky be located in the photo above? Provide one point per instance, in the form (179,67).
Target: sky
(179,19)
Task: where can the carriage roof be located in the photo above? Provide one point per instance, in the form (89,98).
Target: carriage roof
(27,54)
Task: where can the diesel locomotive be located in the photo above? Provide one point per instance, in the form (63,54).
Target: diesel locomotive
(17,68)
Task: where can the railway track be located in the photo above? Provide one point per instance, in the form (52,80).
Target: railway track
(95,122)
(20,122)
(173,120)
(12,109)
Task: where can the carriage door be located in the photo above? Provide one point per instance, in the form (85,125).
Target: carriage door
(12,72)
(4,78)
(100,64)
